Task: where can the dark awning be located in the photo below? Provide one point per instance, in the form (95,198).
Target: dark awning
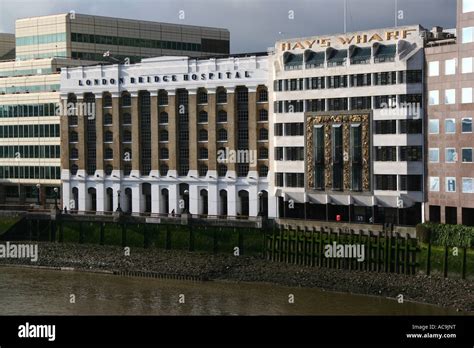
(338,55)
(315,58)
(361,53)
(294,59)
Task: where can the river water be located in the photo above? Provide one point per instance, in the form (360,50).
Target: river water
(48,292)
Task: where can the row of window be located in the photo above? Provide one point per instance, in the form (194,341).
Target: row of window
(450,184)
(50,54)
(30,151)
(342,104)
(289,153)
(29,89)
(451,155)
(289,179)
(450,126)
(28,110)
(24,72)
(405,182)
(40,39)
(405,153)
(30,131)
(411,126)
(30,172)
(450,96)
(135,42)
(355,80)
(289,129)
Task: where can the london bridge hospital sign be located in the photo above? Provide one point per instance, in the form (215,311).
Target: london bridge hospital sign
(392,35)
(134,80)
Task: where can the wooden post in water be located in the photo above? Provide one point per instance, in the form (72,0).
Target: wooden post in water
(379,254)
(407,253)
(397,252)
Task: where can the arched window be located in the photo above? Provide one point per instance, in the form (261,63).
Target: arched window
(202,169)
(108,170)
(263,134)
(127,119)
(263,115)
(74,153)
(202,135)
(107,101)
(127,169)
(164,153)
(221,96)
(262,94)
(203,153)
(74,169)
(108,120)
(202,96)
(73,137)
(163,169)
(221,170)
(163,135)
(108,137)
(263,153)
(163,118)
(263,170)
(162,98)
(126,100)
(127,136)
(202,117)
(109,154)
(222,135)
(222,116)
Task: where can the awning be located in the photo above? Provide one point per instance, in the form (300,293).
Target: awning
(314,58)
(293,60)
(297,197)
(386,51)
(338,56)
(361,54)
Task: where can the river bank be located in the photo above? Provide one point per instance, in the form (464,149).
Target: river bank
(452,293)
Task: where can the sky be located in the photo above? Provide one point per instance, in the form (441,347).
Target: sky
(254,25)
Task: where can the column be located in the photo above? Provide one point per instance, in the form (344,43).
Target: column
(136,198)
(213,199)
(99,126)
(193,143)
(100,196)
(212,134)
(155,198)
(64,128)
(194,198)
(135,111)
(81,131)
(155,148)
(232,200)
(253,200)
(116,129)
(253,130)
(172,135)
(173,198)
(231,128)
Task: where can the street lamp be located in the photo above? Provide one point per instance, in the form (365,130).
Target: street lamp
(260,209)
(119,209)
(56,190)
(38,193)
(186,200)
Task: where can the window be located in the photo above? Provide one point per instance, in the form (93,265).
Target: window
(386,154)
(202,135)
(108,101)
(221,170)
(126,100)
(467,6)
(450,126)
(202,169)
(450,184)
(411,126)
(450,67)
(221,96)
(163,118)
(108,137)
(433,69)
(202,117)
(108,169)
(467,155)
(434,183)
(107,119)
(202,97)
(163,169)
(433,98)
(467,35)
(262,95)
(221,116)
(386,127)
(162,98)
(127,119)
(109,154)
(164,153)
(467,125)
(411,153)
(263,153)
(203,153)
(386,182)
(451,156)
(450,96)
(263,115)
(163,135)
(467,65)
(74,169)
(74,153)
(263,134)
(73,137)
(433,127)
(434,155)
(263,171)
(222,135)
(466,95)
(127,136)
(468,185)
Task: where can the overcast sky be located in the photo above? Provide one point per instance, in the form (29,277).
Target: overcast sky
(254,24)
